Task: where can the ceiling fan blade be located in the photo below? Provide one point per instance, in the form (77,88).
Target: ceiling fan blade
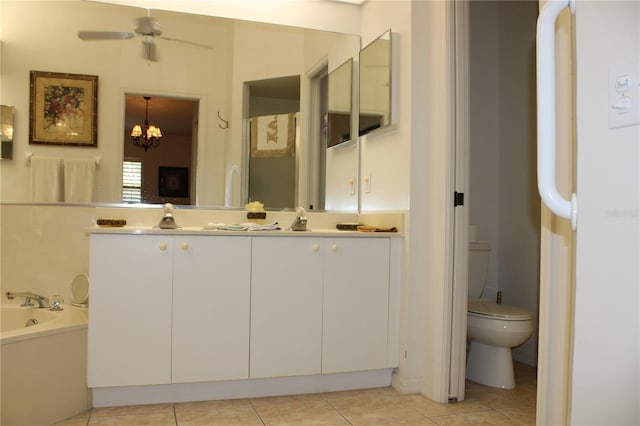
(104,35)
(193,43)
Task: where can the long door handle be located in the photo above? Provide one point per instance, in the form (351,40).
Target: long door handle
(546,92)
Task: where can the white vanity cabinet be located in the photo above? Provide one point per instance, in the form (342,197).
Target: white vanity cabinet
(319,305)
(211,280)
(130,315)
(286,306)
(212,315)
(355,304)
(168,309)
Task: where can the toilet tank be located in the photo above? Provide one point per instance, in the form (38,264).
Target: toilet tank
(479,252)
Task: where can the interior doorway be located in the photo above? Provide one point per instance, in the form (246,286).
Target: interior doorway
(495,86)
(165,173)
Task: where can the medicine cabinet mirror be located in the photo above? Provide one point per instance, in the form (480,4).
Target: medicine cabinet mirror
(339,111)
(375,85)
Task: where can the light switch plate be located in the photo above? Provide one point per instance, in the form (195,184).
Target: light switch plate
(624,95)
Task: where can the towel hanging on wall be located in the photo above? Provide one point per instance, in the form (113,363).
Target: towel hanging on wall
(46,184)
(79,177)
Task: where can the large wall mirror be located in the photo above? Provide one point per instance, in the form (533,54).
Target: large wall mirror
(215,77)
(375,84)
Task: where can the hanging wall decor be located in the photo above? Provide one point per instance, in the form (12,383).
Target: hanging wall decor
(63,109)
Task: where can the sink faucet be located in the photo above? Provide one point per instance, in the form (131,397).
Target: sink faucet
(300,222)
(43,302)
(167,221)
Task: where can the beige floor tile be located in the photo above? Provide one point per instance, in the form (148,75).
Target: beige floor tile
(268,400)
(386,392)
(379,412)
(431,408)
(219,416)
(299,411)
(152,419)
(132,409)
(498,399)
(80,420)
(490,417)
(182,407)
(524,416)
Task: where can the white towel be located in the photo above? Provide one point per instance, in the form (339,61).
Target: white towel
(46,181)
(79,177)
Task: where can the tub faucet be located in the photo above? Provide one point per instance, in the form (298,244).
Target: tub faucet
(43,302)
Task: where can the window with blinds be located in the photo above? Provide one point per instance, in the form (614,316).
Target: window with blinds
(132,182)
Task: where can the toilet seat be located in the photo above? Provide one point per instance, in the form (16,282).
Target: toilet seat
(486,309)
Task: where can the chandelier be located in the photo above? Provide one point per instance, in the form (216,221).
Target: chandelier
(146,136)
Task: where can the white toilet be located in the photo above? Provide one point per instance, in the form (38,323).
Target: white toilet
(492,329)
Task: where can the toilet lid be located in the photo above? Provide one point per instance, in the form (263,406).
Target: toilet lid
(492,309)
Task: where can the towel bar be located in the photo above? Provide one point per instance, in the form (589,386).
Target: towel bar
(28,155)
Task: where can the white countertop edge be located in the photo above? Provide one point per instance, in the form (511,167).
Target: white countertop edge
(132,230)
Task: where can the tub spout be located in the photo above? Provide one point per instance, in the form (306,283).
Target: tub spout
(43,302)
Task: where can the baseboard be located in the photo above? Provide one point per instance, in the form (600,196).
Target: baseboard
(254,388)
(406,385)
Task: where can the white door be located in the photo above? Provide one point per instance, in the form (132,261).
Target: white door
(605,376)
(130,314)
(211,281)
(356,304)
(286,306)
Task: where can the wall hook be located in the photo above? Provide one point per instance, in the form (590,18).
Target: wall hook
(226,123)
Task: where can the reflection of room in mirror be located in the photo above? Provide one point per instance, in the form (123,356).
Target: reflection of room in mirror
(164,170)
(242,52)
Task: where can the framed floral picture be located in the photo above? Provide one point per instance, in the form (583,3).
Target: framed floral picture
(63,109)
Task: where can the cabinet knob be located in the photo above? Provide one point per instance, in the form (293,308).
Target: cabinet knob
(163,246)
(184,245)
(334,247)
(315,247)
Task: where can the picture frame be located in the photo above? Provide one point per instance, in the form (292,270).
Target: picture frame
(63,109)
(273,135)
(173,182)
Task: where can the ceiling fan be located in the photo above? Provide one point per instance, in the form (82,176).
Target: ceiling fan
(147,27)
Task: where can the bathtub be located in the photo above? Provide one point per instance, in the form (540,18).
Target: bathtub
(43,366)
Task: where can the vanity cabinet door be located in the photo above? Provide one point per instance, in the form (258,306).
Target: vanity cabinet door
(211,293)
(356,304)
(130,314)
(286,306)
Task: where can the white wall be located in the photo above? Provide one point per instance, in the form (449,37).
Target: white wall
(606,355)
(504,203)
(384,154)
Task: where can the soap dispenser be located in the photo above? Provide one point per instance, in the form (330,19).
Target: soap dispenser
(167,221)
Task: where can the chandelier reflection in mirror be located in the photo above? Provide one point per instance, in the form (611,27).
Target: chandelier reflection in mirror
(146,136)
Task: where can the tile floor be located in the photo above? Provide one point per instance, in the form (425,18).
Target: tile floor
(384,406)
